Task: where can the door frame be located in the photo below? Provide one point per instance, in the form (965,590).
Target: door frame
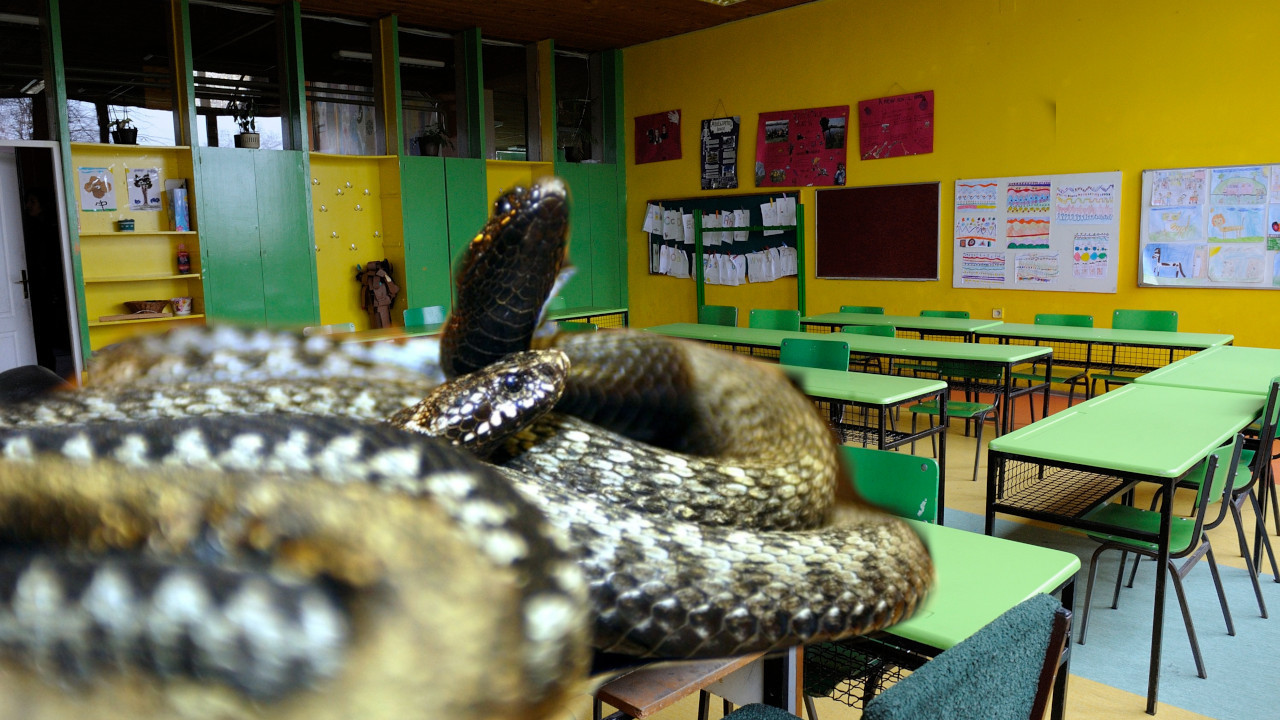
(64,234)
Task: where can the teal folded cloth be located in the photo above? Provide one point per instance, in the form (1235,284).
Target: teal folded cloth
(992,675)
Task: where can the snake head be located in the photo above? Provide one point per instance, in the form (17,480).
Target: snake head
(481,409)
(505,276)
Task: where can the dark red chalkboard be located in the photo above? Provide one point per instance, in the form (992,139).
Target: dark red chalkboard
(883,232)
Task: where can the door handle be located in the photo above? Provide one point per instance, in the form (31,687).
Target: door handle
(26,290)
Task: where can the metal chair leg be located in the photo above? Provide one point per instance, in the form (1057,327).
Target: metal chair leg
(1088,592)
(1248,557)
(1115,598)
(809,709)
(1186,619)
(1217,581)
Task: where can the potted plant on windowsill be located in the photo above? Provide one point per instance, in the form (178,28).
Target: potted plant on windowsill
(245,114)
(432,139)
(123,132)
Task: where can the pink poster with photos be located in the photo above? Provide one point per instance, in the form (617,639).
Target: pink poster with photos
(801,148)
(896,126)
(658,137)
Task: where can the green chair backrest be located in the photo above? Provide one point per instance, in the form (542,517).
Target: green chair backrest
(1219,475)
(718,315)
(881,330)
(1162,320)
(962,314)
(419,316)
(970,369)
(329,329)
(566,326)
(1059,319)
(557,303)
(905,485)
(865,309)
(774,319)
(825,354)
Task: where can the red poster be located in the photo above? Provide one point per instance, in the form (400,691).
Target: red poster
(896,126)
(658,137)
(801,148)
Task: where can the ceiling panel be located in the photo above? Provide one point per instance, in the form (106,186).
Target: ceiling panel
(573,24)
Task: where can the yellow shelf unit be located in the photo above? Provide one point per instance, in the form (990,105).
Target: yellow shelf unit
(119,266)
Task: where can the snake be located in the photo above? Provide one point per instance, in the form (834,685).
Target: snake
(233,522)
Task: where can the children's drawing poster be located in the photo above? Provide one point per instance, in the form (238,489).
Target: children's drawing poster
(1048,232)
(97,189)
(896,126)
(801,148)
(658,137)
(144,189)
(1210,227)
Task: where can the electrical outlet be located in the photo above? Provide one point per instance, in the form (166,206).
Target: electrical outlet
(997,313)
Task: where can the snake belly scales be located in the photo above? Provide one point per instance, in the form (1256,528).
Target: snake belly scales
(223,524)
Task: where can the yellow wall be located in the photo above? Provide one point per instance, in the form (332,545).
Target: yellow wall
(1022,88)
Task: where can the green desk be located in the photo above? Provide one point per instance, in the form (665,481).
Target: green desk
(1105,348)
(605,317)
(963,328)
(1227,368)
(1065,465)
(879,393)
(389,334)
(1004,357)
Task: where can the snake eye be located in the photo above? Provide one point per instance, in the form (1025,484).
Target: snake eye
(511,383)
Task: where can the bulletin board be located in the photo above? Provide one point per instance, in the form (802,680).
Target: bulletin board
(1040,232)
(1210,227)
(755,241)
(883,232)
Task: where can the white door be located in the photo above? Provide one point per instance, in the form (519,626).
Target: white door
(17,339)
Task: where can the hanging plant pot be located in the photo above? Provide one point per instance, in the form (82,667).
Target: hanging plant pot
(247,140)
(125,136)
(427,146)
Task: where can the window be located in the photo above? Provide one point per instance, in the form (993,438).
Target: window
(338,66)
(428,92)
(577,109)
(236,65)
(23,114)
(506,101)
(118,66)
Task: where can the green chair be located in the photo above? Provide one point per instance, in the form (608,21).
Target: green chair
(1068,377)
(1157,320)
(1253,470)
(961,314)
(1187,540)
(718,315)
(867,362)
(898,483)
(774,319)
(824,354)
(331,329)
(574,327)
(864,309)
(931,368)
(420,316)
(967,373)
(557,303)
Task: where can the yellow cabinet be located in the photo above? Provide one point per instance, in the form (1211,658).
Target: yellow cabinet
(122,265)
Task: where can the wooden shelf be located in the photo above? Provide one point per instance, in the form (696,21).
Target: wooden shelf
(117,233)
(173,318)
(139,278)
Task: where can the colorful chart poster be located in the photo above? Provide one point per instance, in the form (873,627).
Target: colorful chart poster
(97,189)
(720,153)
(896,126)
(1050,232)
(1210,227)
(801,148)
(658,137)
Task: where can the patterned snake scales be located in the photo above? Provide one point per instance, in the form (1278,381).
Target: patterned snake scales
(220,525)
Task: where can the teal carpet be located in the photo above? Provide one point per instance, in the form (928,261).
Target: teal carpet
(1244,671)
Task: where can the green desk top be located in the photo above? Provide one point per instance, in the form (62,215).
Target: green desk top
(1227,368)
(865,388)
(1146,429)
(908,322)
(869,344)
(1112,336)
(574,313)
(396,332)
(978,578)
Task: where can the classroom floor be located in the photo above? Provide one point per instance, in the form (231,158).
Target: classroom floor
(1085,698)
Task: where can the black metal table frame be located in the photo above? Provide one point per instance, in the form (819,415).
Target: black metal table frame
(1114,483)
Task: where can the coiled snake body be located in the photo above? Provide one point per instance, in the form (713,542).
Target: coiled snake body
(253,535)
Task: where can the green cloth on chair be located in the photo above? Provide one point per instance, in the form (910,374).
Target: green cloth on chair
(996,674)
